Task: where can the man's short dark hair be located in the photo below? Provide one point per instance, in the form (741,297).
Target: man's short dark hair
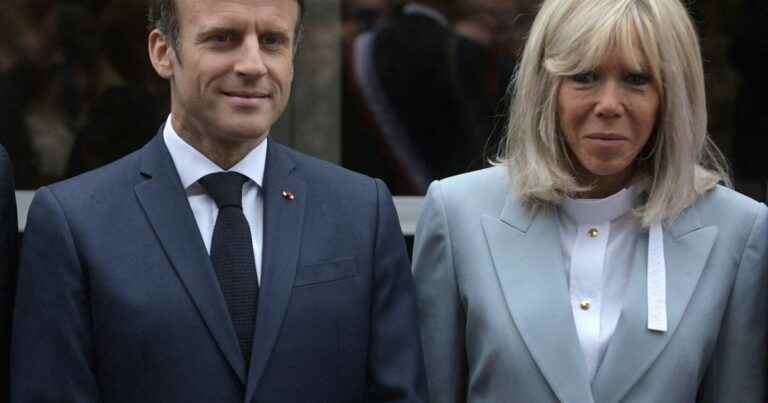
(163,16)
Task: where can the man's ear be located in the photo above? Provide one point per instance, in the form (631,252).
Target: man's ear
(161,54)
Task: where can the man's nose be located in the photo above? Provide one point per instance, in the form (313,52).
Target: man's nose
(251,59)
(610,100)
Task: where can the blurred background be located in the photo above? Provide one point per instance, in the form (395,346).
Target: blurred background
(408,91)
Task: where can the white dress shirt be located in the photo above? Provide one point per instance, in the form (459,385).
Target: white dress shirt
(598,237)
(193,165)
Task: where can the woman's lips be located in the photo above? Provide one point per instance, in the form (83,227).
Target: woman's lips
(606,139)
(606,136)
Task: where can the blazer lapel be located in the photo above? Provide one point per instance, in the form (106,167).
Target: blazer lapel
(525,247)
(634,348)
(165,203)
(283,218)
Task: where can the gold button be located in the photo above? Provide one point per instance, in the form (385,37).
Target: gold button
(584,304)
(592,232)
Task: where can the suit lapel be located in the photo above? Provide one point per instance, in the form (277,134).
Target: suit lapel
(634,348)
(283,220)
(165,203)
(525,247)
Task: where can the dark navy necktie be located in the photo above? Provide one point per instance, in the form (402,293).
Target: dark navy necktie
(232,255)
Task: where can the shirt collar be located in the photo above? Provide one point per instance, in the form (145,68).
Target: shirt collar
(192,165)
(594,211)
(426,11)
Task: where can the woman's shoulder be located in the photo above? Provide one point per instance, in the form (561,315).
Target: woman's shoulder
(488,183)
(458,204)
(480,189)
(730,211)
(488,180)
(726,203)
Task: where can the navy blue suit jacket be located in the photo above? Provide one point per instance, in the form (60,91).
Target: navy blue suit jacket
(8,234)
(118,300)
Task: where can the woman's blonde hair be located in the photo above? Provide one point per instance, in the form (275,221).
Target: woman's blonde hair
(568,37)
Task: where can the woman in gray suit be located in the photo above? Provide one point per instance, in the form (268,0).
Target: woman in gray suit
(599,261)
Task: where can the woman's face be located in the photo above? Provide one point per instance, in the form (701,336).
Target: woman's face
(607,116)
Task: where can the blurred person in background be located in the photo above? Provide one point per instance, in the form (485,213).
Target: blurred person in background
(10,30)
(426,97)
(43,96)
(498,24)
(361,15)
(600,260)
(132,100)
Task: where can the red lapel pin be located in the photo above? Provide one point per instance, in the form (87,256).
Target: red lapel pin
(288,195)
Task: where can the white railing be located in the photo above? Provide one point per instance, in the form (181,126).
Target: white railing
(23,200)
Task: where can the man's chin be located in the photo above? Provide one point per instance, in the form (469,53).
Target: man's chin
(244,128)
(245,135)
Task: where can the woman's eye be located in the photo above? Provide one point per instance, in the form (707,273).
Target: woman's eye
(584,78)
(638,79)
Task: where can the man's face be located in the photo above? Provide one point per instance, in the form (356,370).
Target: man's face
(231,75)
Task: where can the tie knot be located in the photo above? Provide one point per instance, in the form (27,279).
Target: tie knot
(226,188)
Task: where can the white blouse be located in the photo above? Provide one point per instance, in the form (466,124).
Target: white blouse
(598,239)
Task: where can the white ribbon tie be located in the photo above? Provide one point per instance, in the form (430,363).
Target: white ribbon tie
(657,280)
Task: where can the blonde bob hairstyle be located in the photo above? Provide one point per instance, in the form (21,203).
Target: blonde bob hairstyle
(568,37)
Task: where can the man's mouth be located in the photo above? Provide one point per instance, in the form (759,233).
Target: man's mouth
(247,99)
(246,94)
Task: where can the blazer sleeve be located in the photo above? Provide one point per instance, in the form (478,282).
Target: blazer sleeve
(443,317)
(395,364)
(51,355)
(8,254)
(737,370)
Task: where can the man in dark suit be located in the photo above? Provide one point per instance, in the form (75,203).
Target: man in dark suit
(215,265)
(8,252)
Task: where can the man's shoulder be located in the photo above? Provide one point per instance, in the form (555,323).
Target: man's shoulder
(111,180)
(318,171)
(339,188)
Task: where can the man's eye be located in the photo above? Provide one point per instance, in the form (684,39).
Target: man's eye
(638,79)
(272,40)
(584,78)
(221,38)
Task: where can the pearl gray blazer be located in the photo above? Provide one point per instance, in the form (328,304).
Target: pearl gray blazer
(496,322)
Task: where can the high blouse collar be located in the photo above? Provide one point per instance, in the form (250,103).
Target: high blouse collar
(591,211)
